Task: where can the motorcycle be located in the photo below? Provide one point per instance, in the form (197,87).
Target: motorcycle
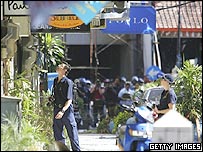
(126,99)
(136,134)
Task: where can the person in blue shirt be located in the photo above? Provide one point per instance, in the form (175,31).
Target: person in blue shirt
(63,108)
(168,96)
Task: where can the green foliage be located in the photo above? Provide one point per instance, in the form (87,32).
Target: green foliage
(53,47)
(36,114)
(80,103)
(121,118)
(24,138)
(103,126)
(188,87)
(45,117)
(23,89)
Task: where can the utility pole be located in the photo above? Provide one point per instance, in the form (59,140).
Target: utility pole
(91,54)
(178,55)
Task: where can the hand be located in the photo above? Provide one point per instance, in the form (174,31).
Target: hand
(156,110)
(155,115)
(59,115)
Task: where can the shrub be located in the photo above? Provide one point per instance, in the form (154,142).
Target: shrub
(103,126)
(25,138)
(121,118)
(188,87)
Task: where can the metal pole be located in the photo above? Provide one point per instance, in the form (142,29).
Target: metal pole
(178,56)
(91,54)
(157,50)
(96,57)
(45,63)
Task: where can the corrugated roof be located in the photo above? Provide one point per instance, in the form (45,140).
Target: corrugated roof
(190,18)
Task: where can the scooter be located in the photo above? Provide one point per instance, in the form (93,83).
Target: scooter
(126,99)
(136,134)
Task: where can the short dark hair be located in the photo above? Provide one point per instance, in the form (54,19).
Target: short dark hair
(68,67)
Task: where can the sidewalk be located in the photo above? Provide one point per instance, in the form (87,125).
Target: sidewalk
(98,142)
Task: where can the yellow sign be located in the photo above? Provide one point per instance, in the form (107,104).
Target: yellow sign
(65,21)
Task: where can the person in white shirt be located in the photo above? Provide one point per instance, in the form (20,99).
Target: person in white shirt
(125,94)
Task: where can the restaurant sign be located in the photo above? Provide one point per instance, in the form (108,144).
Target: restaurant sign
(61,24)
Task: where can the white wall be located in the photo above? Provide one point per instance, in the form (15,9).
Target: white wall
(147,51)
(1,60)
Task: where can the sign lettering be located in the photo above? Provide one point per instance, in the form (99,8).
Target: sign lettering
(19,8)
(142,20)
(61,24)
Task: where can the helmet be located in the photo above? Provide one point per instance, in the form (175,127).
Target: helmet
(88,82)
(76,81)
(107,80)
(169,78)
(123,79)
(128,83)
(134,79)
(160,75)
(102,85)
(141,80)
(82,80)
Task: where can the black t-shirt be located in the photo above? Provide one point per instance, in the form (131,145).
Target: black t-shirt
(167,96)
(111,96)
(63,90)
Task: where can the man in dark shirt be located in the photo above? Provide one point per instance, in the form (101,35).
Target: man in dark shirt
(63,108)
(111,98)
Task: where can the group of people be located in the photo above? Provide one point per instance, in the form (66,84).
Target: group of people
(102,98)
(97,95)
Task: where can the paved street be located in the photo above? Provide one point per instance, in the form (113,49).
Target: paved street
(98,142)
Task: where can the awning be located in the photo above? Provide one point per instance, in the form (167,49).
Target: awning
(167,17)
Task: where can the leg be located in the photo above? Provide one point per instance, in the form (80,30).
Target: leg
(111,110)
(95,114)
(71,127)
(91,112)
(58,129)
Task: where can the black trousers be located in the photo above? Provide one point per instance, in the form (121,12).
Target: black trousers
(98,108)
(67,121)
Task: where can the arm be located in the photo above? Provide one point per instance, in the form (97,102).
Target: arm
(68,102)
(120,93)
(66,106)
(170,105)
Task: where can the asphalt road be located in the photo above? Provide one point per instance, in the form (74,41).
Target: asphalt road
(98,142)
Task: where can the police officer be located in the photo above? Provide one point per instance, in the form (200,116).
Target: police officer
(63,108)
(168,96)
